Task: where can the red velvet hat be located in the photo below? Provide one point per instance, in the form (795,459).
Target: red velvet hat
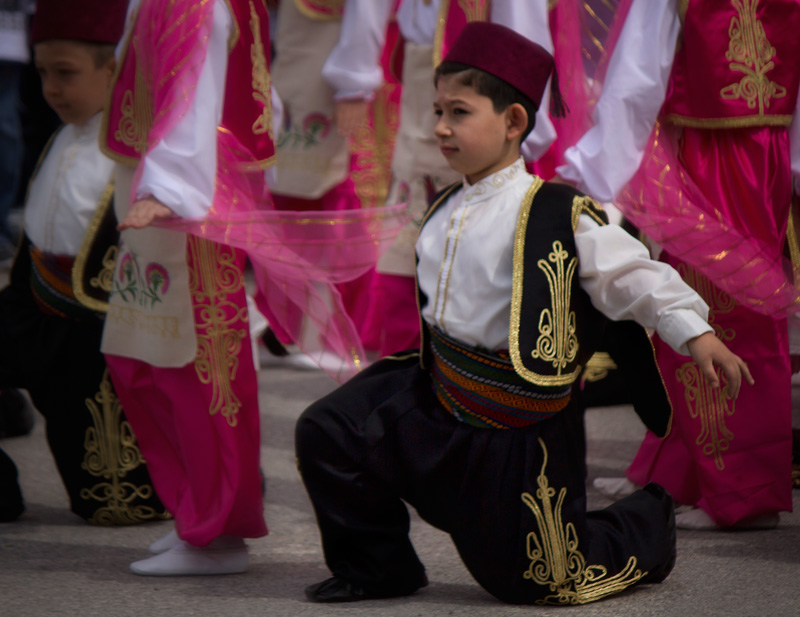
(93,21)
(507,55)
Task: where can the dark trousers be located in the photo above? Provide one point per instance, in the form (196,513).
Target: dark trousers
(58,361)
(513,501)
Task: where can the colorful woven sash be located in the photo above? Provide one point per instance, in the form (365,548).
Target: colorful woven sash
(51,285)
(482,389)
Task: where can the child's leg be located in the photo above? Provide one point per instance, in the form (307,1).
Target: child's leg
(523,530)
(363,522)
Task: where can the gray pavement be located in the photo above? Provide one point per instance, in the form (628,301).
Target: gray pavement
(51,563)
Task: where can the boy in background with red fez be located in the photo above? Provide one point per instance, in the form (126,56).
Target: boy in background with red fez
(51,314)
(480,430)
(177,338)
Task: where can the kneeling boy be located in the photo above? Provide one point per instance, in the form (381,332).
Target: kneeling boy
(481,431)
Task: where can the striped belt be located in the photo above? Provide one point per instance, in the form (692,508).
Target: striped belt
(484,390)
(51,285)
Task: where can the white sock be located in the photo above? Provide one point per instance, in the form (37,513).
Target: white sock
(615,488)
(224,555)
(164,543)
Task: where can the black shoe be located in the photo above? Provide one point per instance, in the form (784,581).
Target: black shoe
(273,345)
(11,503)
(337,589)
(16,414)
(659,573)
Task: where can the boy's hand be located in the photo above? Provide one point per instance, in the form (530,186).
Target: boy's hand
(350,115)
(143,212)
(707,350)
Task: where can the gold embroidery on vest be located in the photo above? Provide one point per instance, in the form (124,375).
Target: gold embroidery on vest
(111,452)
(581,204)
(719,303)
(751,53)
(104,278)
(213,278)
(711,406)
(373,146)
(137,114)
(555,559)
(475,10)
(261,85)
(558,342)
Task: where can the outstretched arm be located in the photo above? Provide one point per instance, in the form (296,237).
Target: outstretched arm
(707,350)
(143,213)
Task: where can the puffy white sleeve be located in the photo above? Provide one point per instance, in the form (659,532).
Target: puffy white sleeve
(608,155)
(616,271)
(353,67)
(180,171)
(794,144)
(531,19)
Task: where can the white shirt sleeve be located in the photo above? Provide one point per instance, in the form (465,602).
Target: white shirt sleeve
(180,171)
(353,68)
(530,18)
(624,283)
(794,144)
(608,155)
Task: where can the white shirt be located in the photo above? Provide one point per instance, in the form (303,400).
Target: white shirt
(465,269)
(353,67)
(180,171)
(67,188)
(608,155)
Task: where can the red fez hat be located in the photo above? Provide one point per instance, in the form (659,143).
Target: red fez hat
(93,21)
(509,56)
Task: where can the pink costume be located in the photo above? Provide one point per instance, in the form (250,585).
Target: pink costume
(177,339)
(714,190)
(319,169)
(197,415)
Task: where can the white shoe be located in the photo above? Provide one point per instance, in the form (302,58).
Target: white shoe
(698,520)
(225,555)
(615,488)
(164,543)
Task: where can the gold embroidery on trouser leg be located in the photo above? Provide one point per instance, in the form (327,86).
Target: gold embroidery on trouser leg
(213,278)
(111,452)
(710,405)
(750,53)
(555,559)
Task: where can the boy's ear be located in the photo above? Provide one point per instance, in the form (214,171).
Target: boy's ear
(516,121)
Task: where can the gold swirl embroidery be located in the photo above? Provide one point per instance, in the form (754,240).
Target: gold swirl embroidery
(719,303)
(751,53)
(558,342)
(373,147)
(112,452)
(213,278)
(104,278)
(261,80)
(137,114)
(711,406)
(599,366)
(555,559)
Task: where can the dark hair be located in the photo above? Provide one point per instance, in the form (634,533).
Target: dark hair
(502,94)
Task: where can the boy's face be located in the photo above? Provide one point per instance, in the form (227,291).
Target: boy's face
(475,139)
(72,84)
